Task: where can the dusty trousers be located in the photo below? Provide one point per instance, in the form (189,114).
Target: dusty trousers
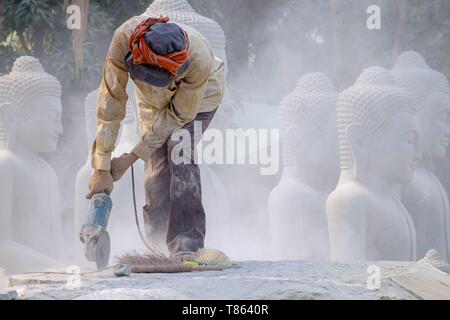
(174,213)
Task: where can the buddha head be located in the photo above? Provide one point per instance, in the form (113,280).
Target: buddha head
(30,106)
(378,129)
(308,125)
(431,91)
(161,6)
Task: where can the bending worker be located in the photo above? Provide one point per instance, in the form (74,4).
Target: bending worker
(178,81)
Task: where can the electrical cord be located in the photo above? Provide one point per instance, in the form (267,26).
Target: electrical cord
(135,212)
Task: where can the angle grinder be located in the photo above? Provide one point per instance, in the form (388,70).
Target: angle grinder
(93,233)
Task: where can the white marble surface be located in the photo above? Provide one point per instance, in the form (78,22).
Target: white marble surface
(258,280)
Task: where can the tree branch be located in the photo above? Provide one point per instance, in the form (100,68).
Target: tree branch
(24,43)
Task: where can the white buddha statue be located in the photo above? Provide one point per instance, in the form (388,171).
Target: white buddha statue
(424,197)
(377,125)
(30,212)
(310,152)
(122,227)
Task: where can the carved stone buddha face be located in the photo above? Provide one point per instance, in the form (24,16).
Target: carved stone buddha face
(378,128)
(40,132)
(431,92)
(30,101)
(392,155)
(318,150)
(435,126)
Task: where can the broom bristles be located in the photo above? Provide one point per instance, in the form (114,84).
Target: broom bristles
(136,257)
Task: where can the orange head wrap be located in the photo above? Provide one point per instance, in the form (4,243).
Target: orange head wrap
(143,54)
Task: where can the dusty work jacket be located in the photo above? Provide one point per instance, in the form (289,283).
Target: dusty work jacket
(160,110)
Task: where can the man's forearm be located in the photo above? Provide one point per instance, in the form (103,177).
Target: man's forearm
(102,149)
(111,104)
(142,151)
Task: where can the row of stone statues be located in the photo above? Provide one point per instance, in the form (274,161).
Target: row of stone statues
(386,130)
(30,216)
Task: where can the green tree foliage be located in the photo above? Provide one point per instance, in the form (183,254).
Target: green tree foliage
(270,43)
(38,28)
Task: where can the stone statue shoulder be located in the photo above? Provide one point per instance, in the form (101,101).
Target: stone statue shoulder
(290,191)
(351,198)
(9,162)
(13,165)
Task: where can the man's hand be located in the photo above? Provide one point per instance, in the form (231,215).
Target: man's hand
(100,181)
(120,165)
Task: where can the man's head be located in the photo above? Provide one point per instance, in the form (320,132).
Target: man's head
(30,106)
(158,52)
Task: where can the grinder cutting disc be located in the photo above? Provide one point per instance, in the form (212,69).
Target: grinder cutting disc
(102,250)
